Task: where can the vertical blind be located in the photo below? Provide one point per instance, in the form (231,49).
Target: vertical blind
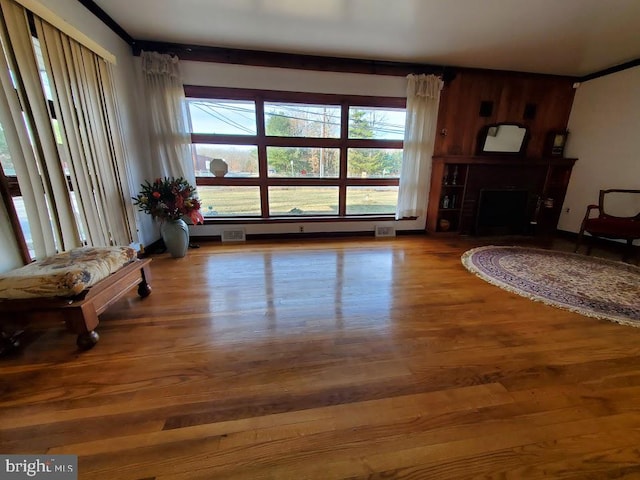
(63,124)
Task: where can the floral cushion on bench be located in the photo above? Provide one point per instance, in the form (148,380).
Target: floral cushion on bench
(66,274)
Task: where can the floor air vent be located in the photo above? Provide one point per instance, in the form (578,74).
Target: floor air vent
(236,235)
(384,231)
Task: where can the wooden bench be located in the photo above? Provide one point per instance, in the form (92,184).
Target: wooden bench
(79,311)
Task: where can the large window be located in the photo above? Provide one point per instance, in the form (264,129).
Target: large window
(294,154)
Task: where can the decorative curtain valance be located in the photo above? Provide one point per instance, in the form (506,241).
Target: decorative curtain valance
(426,86)
(154,63)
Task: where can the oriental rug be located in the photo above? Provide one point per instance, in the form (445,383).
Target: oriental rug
(590,286)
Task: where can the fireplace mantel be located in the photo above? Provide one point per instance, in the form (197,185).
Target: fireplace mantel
(507,159)
(457,180)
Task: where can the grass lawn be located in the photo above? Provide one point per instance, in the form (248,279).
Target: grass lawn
(245,201)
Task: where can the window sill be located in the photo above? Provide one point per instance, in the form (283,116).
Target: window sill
(299,219)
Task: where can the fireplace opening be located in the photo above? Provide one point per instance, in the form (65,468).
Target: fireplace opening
(503,212)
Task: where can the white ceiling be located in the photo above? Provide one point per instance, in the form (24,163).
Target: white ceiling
(566,37)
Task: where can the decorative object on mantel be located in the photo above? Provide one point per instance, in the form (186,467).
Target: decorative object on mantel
(590,286)
(169,199)
(218,167)
(556,142)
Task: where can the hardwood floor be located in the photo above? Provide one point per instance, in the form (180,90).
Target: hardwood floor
(330,359)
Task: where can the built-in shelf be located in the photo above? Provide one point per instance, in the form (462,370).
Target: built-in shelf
(453,206)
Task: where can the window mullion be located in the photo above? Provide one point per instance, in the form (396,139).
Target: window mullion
(262,158)
(216,138)
(312,142)
(374,143)
(344,147)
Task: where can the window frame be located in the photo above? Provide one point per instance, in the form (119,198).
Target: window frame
(262,141)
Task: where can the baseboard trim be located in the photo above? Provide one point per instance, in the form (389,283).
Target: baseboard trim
(604,243)
(155,247)
(290,236)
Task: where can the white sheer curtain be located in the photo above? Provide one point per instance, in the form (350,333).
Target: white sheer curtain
(78,137)
(169,134)
(423,98)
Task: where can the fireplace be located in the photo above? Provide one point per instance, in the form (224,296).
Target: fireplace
(513,187)
(503,212)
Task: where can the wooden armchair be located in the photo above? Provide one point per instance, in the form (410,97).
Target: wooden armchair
(620,226)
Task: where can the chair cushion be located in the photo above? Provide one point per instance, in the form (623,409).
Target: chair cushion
(613,227)
(66,274)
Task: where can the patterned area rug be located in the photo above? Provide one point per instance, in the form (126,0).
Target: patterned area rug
(591,286)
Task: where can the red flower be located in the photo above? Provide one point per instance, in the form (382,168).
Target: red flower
(169,198)
(196,217)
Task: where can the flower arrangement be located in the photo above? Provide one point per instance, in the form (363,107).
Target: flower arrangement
(169,198)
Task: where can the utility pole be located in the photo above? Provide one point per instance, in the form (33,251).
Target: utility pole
(324,134)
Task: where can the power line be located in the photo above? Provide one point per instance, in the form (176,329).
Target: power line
(209,108)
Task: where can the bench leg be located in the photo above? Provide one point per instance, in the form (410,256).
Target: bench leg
(9,342)
(86,341)
(144,289)
(83,320)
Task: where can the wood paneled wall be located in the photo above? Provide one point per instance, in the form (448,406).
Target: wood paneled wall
(509,93)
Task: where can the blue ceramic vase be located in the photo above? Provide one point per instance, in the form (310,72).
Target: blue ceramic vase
(175,235)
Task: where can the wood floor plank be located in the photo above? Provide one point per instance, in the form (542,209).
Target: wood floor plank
(330,359)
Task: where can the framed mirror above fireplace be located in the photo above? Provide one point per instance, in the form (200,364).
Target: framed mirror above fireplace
(503,139)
